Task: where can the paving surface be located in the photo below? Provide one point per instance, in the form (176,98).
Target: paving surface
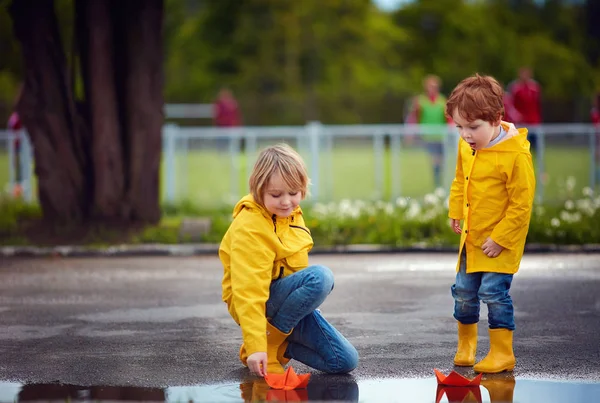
(155,322)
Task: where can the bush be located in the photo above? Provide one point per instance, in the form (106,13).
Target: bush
(405,222)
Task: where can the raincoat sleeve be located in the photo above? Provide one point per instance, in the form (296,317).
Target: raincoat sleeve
(251,267)
(512,230)
(457,189)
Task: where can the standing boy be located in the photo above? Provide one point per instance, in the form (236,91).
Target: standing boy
(493,193)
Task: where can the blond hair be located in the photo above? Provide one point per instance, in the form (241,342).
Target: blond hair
(281,159)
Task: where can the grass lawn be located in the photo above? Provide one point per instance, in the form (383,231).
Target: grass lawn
(209,178)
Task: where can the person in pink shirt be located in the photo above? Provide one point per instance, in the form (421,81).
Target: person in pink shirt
(525,94)
(595,116)
(226,110)
(15,125)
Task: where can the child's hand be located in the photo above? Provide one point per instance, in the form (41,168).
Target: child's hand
(257,363)
(455,225)
(491,248)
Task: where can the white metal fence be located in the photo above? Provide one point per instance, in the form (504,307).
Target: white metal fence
(210,166)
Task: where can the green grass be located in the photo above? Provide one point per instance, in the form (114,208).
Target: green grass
(206,177)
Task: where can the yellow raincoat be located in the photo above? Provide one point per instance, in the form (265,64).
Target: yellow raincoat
(257,249)
(493,193)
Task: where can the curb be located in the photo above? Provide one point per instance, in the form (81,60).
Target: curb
(205,249)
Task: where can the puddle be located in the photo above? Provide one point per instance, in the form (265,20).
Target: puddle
(321,388)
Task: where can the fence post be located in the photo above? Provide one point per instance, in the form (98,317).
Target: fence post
(26,161)
(10,138)
(541,148)
(314,130)
(169,133)
(593,167)
(395,174)
(379,151)
(234,152)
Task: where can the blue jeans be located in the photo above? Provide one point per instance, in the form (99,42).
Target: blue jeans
(491,288)
(293,304)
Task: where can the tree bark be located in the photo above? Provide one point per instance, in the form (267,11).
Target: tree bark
(95,36)
(100,162)
(143,98)
(48,111)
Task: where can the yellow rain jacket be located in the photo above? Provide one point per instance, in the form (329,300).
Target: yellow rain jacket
(257,249)
(493,193)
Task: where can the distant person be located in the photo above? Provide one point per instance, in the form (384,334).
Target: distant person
(270,289)
(226,113)
(492,194)
(14,126)
(428,109)
(226,110)
(595,115)
(525,94)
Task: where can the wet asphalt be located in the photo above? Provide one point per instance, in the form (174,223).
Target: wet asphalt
(157,322)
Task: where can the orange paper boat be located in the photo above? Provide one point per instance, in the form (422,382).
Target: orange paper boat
(288,380)
(456,379)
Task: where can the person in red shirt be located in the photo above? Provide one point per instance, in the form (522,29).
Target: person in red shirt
(595,115)
(226,110)
(14,126)
(525,94)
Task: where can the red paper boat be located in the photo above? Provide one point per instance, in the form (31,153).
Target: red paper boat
(456,379)
(288,380)
(463,394)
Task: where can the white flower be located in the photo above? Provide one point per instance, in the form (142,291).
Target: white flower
(570,183)
(389,208)
(440,192)
(564,215)
(414,209)
(569,205)
(431,199)
(401,202)
(587,191)
(555,222)
(586,206)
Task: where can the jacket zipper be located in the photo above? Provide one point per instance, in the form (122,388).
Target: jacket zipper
(302,228)
(274,218)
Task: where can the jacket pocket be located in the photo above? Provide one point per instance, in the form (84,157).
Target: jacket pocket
(298,260)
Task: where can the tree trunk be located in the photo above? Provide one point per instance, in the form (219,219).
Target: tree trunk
(143,100)
(102,163)
(95,38)
(47,109)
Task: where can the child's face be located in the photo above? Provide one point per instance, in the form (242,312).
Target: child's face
(278,199)
(477,133)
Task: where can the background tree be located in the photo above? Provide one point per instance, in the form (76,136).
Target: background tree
(96,156)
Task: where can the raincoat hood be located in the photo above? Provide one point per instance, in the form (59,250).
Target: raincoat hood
(514,141)
(248,203)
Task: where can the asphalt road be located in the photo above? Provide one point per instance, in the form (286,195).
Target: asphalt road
(158,322)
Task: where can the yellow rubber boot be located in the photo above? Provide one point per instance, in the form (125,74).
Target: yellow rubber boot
(500,389)
(280,354)
(276,345)
(501,357)
(467,345)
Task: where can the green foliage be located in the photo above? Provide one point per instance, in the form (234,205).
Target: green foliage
(13,211)
(337,61)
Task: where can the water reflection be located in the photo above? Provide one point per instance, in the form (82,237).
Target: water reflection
(493,389)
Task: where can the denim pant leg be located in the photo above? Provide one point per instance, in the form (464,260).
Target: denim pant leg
(316,343)
(494,292)
(295,296)
(464,292)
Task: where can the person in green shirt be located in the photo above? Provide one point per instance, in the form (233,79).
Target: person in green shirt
(428,109)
